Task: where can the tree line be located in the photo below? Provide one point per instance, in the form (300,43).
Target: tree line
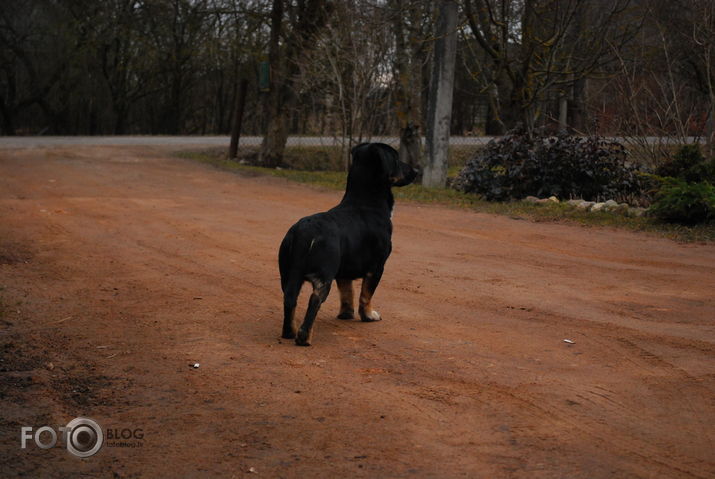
(354,68)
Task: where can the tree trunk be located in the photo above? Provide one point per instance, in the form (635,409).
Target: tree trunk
(711,129)
(524,84)
(440,102)
(175,110)
(8,125)
(577,107)
(563,111)
(276,129)
(7,102)
(275,140)
(237,119)
(310,19)
(408,98)
(93,117)
(120,112)
(411,145)
(413,130)
(494,124)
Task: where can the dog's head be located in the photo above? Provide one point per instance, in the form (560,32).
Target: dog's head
(381,162)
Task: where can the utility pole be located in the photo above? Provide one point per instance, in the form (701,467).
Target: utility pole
(439,110)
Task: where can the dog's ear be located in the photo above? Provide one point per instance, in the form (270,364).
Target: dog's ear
(357,152)
(352,151)
(356,147)
(390,160)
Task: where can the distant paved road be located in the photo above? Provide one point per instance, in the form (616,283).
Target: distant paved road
(48,141)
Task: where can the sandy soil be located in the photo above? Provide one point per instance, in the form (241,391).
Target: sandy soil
(121,266)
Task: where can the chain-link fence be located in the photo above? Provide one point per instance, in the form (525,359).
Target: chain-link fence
(461,148)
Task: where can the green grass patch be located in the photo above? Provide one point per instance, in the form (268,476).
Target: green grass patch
(549,212)
(324,178)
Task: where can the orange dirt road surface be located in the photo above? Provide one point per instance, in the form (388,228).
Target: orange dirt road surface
(121,267)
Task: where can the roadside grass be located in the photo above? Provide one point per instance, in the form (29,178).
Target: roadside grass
(297,168)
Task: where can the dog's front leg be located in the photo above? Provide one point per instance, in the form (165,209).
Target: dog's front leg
(346,298)
(369,285)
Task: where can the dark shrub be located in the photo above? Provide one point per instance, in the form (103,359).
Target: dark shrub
(519,165)
(690,165)
(686,203)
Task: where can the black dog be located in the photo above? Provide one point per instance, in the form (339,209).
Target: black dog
(352,240)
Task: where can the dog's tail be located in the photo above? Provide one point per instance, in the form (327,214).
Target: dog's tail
(291,265)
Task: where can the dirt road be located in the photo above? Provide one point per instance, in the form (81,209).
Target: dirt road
(120,267)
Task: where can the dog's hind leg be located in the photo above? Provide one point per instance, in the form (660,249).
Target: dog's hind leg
(290,300)
(369,285)
(321,289)
(291,283)
(346,298)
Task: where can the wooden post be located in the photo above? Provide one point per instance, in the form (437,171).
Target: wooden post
(563,111)
(237,119)
(439,112)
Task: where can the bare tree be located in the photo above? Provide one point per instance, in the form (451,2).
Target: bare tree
(531,47)
(411,23)
(121,49)
(299,27)
(663,88)
(177,28)
(349,72)
(352,68)
(703,21)
(40,43)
